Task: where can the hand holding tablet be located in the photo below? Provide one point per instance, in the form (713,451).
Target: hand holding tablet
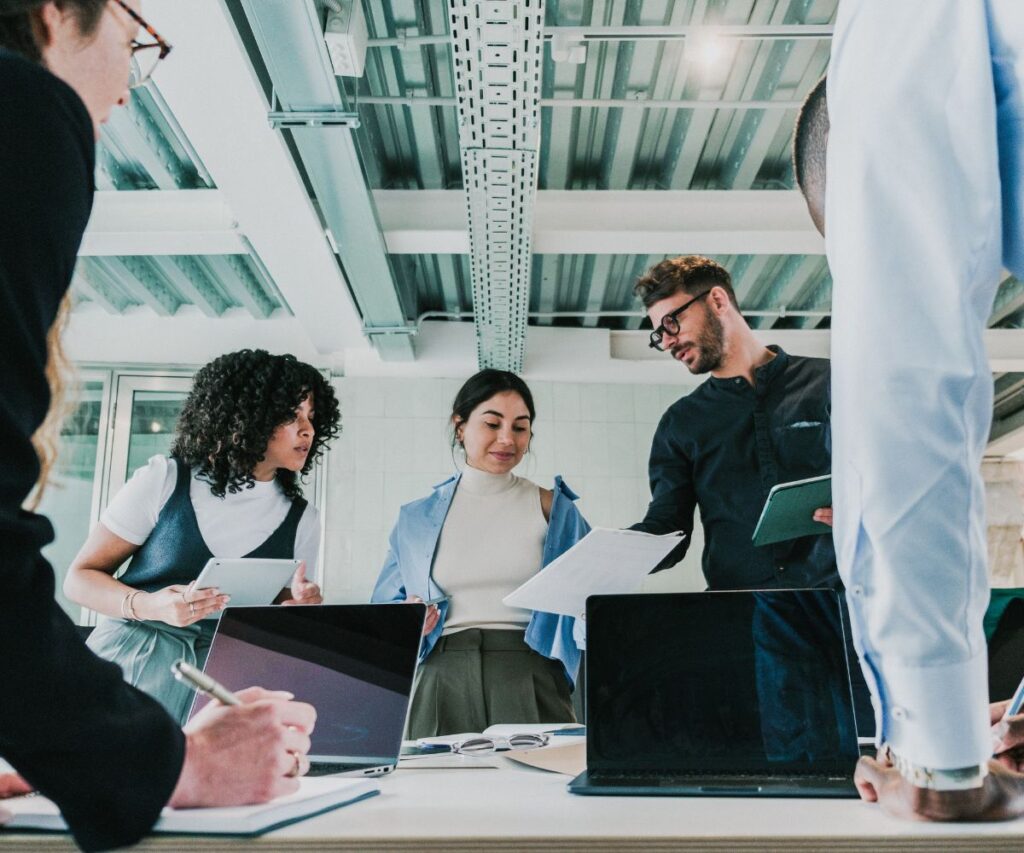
(249,581)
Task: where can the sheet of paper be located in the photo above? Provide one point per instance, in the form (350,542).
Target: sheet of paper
(506,729)
(450,761)
(604,562)
(570,758)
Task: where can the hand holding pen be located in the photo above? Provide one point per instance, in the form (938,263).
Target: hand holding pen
(247,747)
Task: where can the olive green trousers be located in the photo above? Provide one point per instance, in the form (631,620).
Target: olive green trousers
(479,677)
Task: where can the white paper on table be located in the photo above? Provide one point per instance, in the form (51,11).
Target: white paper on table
(508,729)
(604,562)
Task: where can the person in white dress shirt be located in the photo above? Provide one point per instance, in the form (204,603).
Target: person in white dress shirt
(924,204)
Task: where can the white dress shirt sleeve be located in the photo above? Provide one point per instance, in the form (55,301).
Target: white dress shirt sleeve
(913,235)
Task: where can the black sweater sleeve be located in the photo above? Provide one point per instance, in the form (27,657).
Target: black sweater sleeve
(106,753)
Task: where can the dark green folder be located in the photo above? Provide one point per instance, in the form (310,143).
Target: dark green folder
(789,510)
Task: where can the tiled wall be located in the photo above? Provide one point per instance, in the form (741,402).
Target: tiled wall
(395,445)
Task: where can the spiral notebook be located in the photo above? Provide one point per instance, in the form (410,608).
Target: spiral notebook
(314,797)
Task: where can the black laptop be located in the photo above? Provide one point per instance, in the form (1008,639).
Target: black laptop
(355,663)
(718,694)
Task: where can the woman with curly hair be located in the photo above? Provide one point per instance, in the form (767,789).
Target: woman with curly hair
(230,488)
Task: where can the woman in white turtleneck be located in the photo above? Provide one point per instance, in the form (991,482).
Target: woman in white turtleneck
(476,538)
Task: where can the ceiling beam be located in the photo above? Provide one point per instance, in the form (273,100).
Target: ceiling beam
(610,222)
(1005,347)
(290,38)
(154,222)
(615,222)
(258,179)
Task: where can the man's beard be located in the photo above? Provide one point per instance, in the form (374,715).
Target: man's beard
(710,345)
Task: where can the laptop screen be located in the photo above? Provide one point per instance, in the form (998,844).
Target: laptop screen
(354,663)
(719,682)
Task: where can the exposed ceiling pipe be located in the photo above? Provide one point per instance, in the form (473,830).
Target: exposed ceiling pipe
(634,103)
(778,313)
(755,32)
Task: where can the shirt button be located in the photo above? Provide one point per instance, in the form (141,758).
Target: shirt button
(738,381)
(857,591)
(782,568)
(899,712)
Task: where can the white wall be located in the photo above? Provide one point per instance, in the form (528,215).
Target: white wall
(394,446)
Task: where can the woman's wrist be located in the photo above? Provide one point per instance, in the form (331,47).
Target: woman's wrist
(139,605)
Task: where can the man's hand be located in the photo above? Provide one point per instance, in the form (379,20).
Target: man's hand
(433,614)
(249,753)
(302,590)
(824,515)
(1001,797)
(12,785)
(1007,737)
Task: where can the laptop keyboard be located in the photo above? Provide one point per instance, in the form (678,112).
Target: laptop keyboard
(662,778)
(327,768)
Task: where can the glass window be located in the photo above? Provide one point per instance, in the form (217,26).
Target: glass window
(68,500)
(154,416)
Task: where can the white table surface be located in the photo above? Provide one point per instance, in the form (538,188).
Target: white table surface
(512,807)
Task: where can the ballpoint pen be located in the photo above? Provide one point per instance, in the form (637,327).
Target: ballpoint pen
(202,683)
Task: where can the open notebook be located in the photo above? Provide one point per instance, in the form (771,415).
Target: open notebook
(315,796)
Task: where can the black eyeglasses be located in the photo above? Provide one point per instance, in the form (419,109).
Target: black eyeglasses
(145,55)
(670,322)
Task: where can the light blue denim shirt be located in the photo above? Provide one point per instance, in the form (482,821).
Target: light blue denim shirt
(413,544)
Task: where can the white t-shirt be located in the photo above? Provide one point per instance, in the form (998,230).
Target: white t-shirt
(231,526)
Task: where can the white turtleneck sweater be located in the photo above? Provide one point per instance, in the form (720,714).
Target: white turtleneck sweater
(492,542)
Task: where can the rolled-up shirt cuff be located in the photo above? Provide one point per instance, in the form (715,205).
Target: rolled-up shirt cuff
(937,716)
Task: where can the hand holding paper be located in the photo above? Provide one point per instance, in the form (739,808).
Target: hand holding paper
(604,562)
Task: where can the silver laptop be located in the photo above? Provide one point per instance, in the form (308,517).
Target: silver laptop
(355,663)
(718,694)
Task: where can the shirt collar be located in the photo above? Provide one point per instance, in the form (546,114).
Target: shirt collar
(763,375)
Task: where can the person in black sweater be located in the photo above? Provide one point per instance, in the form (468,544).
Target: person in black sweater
(107,754)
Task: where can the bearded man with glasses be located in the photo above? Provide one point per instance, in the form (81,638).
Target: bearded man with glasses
(761,418)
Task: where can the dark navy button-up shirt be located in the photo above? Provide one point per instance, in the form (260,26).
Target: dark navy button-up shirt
(722,448)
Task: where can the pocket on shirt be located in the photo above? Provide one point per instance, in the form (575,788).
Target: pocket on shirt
(803,448)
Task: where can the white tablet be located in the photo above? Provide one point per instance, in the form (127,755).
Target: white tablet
(250,581)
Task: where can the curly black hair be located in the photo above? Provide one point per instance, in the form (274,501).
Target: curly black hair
(236,403)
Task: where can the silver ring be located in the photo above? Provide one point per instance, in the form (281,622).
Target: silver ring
(183,599)
(192,608)
(296,765)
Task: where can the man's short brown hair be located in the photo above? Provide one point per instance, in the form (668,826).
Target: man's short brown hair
(686,274)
